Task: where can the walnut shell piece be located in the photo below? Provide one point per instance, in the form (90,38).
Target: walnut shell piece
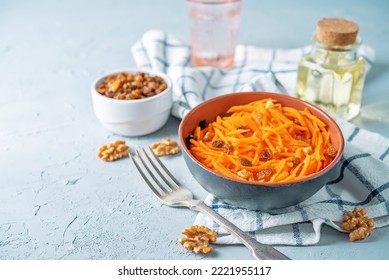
(113,151)
(358,224)
(198,238)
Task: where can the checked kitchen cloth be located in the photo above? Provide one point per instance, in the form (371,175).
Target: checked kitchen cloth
(363,180)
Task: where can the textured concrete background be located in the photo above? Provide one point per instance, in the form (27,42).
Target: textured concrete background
(57,199)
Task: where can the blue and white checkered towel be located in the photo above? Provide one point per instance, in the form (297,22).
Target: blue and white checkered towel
(362,182)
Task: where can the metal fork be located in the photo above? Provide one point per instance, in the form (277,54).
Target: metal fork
(163,184)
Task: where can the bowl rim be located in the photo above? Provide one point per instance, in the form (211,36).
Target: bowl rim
(264,184)
(100,78)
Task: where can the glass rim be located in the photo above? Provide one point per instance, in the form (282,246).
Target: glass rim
(213,2)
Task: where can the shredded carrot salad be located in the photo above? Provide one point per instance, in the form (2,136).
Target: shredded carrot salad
(263,141)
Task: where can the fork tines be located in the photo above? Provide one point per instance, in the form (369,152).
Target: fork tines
(154,172)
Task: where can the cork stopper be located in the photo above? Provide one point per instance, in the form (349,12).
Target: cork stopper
(336,31)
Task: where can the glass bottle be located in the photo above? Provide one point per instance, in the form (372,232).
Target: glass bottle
(332,75)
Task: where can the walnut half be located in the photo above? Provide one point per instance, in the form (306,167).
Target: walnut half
(358,224)
(198,239)
(167,147)
(113,151)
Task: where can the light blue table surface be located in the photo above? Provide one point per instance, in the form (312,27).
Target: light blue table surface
(58,200)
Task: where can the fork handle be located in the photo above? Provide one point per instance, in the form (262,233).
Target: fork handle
(259,250)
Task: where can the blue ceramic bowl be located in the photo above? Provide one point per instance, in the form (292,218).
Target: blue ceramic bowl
(251,195)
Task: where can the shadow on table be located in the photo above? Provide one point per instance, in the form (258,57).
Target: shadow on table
(170,128)
(377,70)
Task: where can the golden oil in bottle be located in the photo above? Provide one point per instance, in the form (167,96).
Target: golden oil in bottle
(332,75)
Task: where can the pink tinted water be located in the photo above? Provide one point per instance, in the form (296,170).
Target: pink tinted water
(214,32)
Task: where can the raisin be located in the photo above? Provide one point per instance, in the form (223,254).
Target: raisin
(265,174)
(302,138)
(218,144)
(265,154)
(204,124)
(242,127)
(295,161)
(190,137)
(146,90)
(222,115)
(244,162)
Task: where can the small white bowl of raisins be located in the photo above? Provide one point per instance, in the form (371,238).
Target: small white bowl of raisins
(132,102)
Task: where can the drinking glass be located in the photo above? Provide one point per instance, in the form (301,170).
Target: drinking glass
(214,29)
